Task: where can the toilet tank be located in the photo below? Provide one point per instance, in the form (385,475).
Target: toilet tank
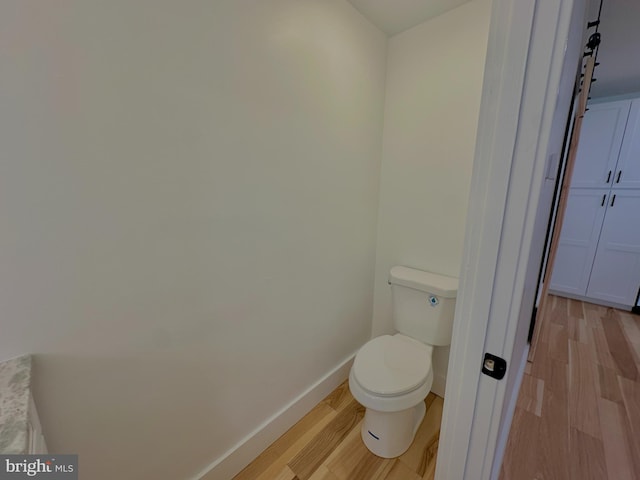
(423,304)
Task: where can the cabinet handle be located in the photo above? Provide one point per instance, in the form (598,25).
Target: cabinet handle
(619,173)
(604,198)
(613,200)
(609,176)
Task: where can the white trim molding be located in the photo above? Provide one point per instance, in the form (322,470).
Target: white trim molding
(605,303)
(506,426)
(245,451)
(525,59)
(509,36)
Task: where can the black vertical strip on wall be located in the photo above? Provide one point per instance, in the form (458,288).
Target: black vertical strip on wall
(636,308)
(560,174)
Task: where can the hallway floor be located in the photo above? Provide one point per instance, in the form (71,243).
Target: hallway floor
(326,445)
(578,411)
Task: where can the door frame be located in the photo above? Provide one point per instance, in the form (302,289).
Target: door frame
(521,80)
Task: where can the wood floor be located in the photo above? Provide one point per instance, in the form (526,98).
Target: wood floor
(326,445)
(578,411)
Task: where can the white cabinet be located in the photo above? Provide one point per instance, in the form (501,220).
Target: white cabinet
(627,173)
(579,240)
(616,270)
(599,250)
(603,130)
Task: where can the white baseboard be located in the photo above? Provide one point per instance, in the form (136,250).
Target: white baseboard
(503,436)
(604,303)
(245,451)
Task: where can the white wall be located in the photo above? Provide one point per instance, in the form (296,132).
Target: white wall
(188,201)
(433,90)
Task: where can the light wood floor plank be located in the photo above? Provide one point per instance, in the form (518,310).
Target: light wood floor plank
(321,446)
(285,474)
(422,452)
(559,310)
(619,345)
(543,337)
(583,405)
(603,355)
(632,443)
(523,465)
(553,439)
(339,398)
(557,380)
(295,448)
(531,393)
(573,328)
(585,333)
(399,471)
(586,457)
(276,456)
(579,418)
(631,398)
(575,308)
(323,473)
(589,425)
(430,473)
(616,449)
(608,387)
(593,314)
(554,424)
(631,326)
(355,433)
(558,342)
(354,460)
(636,353)
(326,445)
(541,365)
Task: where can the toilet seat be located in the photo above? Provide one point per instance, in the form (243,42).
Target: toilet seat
(391,366)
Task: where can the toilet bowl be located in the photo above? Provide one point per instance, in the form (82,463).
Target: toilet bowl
(391,376)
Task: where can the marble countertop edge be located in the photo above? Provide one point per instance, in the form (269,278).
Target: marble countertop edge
(15,387)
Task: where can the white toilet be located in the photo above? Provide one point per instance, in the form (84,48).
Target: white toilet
(392,375)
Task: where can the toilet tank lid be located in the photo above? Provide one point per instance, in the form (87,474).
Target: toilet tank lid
(434,283)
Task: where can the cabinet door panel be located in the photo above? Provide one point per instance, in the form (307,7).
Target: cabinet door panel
(616,270)
(600,140)
(578,240)
(628,168)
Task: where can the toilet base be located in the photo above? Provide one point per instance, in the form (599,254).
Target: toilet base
(390,434)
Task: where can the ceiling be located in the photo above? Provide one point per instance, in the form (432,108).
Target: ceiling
(394,16)
(619,53)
